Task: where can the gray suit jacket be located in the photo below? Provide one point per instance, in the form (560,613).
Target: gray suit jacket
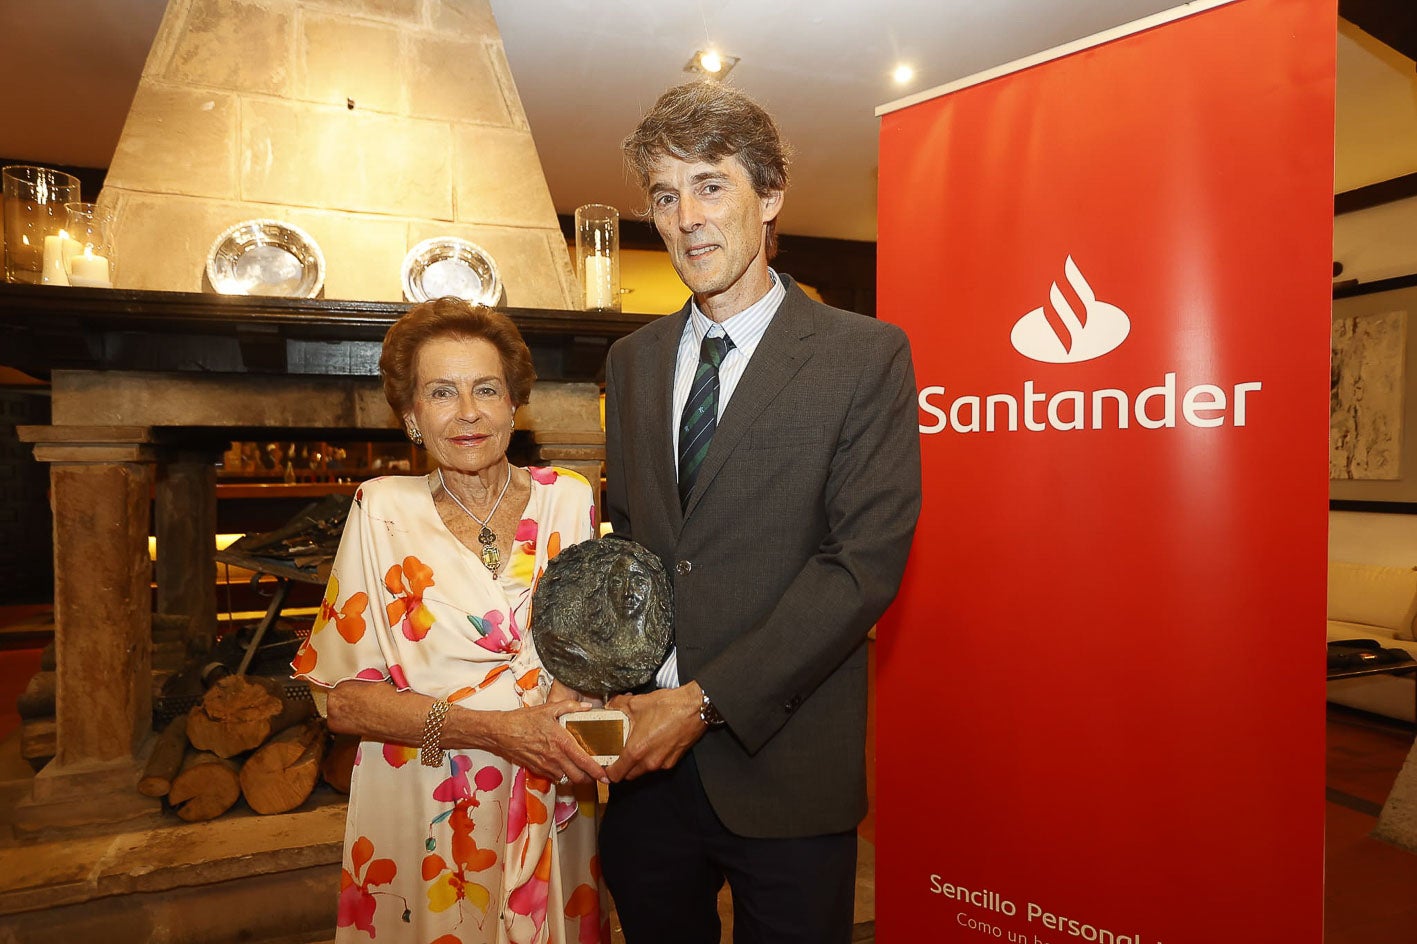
(792,545)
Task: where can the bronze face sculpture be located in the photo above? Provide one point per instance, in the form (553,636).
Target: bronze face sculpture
(602,617)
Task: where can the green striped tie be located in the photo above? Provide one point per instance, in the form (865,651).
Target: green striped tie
(700,413)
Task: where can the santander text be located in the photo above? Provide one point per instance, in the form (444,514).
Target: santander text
(1203,405)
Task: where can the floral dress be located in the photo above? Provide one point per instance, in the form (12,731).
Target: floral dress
(476,850)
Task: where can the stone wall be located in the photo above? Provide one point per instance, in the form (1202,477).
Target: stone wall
(370,124)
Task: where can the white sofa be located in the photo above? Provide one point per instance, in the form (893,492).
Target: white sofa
(1367,601)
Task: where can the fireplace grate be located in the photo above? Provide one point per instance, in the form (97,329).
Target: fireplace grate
(167,707)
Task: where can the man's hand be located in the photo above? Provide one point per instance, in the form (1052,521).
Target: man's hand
(663,725)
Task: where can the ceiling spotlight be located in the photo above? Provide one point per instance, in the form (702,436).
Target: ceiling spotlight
(902,74)
(711,63)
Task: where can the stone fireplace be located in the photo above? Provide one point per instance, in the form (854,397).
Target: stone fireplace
(370,124)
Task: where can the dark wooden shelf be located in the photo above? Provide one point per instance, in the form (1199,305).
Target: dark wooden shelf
(45,327)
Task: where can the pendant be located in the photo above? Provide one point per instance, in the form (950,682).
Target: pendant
(491,557)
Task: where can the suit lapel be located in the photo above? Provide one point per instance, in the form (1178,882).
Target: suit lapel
(659,408)
(779,356)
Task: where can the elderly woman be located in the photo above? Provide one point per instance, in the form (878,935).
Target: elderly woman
(464,822)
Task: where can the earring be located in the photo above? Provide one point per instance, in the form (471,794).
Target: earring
(414,434)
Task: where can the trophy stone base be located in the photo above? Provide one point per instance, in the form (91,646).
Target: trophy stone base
(601,731)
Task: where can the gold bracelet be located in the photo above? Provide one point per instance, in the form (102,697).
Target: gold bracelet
(431,753)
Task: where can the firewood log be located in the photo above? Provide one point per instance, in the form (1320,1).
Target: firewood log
(38,698)
(292,712)
(37,740)
(240,713)
(279,776)
(166,759)
(338,766)
(206,787)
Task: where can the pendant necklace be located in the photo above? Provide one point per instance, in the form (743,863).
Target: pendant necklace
(491,557)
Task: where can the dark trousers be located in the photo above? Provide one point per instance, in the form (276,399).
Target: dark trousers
(665,855)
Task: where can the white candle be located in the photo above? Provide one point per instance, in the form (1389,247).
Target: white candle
(89,270)
(72,247)
(597,282)
(53,272)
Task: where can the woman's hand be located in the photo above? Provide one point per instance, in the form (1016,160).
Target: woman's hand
(533,738)
(529,737)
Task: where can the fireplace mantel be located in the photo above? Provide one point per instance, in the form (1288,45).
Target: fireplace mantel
(45,328)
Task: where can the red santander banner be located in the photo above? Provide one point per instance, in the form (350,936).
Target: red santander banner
(1100,701)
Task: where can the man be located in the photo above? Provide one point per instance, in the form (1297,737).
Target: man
(777,473)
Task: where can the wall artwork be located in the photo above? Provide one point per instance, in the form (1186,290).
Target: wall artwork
(1366,392)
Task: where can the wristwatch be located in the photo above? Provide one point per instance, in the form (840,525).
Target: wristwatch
(708,713)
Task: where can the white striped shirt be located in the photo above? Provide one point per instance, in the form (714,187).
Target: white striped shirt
(745,330)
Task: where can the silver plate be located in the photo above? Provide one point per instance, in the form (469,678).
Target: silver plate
(446,265)
(266,257)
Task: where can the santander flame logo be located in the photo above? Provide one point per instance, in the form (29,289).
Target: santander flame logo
(1062,335)
(1078,327)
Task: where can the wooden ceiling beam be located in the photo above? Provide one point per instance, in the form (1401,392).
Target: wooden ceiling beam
(1393,22)
(1384,191)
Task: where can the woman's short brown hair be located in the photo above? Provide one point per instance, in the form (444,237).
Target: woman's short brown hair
(451,318)
(709,121)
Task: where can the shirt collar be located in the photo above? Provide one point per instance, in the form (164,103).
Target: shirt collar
(748,324)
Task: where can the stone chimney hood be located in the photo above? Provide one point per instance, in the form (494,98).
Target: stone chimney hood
(370,124)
